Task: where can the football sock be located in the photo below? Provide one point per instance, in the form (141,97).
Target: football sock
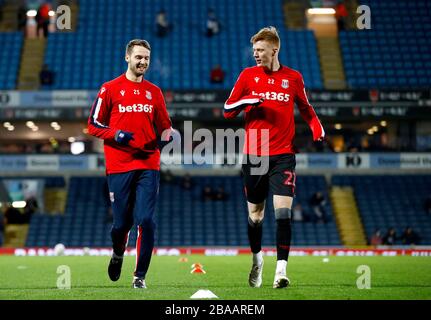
(255,235)
(283,233)
(283,236)
(115,256)
(119,240)
(281,267)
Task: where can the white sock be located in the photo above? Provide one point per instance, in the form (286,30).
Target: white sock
(281,267)
(258,258)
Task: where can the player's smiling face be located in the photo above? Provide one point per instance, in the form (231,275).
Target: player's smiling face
(139,60)
(264,53)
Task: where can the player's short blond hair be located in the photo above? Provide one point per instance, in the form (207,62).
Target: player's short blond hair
(137,42)
(268,34)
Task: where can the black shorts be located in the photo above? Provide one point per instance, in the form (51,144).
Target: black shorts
(277,175)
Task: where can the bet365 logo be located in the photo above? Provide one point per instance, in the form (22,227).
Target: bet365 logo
(137,107)
(275,96)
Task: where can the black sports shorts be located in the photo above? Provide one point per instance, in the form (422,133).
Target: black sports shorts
(275,173)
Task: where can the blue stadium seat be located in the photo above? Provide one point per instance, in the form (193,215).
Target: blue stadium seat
(12,43)
(394,43)
(385,201)
(195,53)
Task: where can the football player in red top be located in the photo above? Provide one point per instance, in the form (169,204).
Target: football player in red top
(267,93)
(125,114)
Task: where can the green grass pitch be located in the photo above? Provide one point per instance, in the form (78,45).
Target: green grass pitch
(400,277)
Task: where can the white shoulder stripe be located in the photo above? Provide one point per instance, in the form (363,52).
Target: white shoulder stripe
(323,131)
(241,102)
(96,113)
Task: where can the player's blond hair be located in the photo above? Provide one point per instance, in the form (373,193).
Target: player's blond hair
(268,34)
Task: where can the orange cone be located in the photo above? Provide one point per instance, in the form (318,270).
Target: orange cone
(197,270)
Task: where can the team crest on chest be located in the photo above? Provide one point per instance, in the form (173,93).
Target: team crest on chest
(148,95)
(285,83)
(122,92)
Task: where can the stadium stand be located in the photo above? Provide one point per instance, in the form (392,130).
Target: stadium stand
(11,43)
(183,218)
(50,182)
(225,223)
(182,60)
(16,233)
(388,201)
(390,55)
(394,52)
(84,220)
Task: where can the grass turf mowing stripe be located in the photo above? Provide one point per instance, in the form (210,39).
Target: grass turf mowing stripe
(391,278)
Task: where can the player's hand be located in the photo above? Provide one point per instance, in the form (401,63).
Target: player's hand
(254,105)
(317,130)
(261,100)
(318,136)
(175,135)
(169,135)
(123,137)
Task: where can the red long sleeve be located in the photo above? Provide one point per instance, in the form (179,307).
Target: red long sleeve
(307,111)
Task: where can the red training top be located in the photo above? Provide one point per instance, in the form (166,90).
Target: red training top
(134,107)
(279,91)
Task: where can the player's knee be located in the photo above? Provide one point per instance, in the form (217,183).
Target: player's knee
(256,212)
(121,227)
(283,214)
(256,215)
(147,223)
(255,222)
